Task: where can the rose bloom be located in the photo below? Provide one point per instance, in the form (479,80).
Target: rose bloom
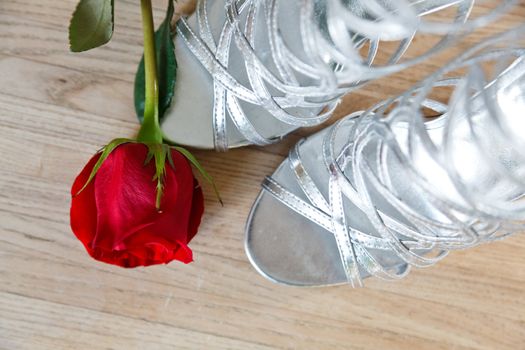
(115,216)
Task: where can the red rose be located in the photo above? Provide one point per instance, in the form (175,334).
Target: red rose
(115,215)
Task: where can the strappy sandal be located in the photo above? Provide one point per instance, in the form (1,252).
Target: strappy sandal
(384,189)
(254,70)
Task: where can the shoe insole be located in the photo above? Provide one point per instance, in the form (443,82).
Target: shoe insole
(286,247)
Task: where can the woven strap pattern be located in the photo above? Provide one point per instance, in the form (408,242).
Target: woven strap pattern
(439,207)
(334,35)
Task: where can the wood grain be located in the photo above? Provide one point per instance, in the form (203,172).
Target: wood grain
(57,109)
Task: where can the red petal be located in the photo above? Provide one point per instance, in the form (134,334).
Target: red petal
(183,254)
(116,218)
(197,209)
(125,195)
(83,213)
(176,205)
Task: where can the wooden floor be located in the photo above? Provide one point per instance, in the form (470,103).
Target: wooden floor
(57,109)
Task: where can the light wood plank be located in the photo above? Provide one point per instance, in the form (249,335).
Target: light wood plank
(57,108)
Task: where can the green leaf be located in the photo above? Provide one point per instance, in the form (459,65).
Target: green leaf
(166,68)
(92,24)
(106,151)
(200,168)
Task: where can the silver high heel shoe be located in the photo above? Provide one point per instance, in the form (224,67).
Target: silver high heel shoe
(385,189)
(254,70)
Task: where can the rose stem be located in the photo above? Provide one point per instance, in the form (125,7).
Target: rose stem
(150,130)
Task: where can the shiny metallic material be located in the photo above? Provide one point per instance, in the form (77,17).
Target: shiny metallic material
(299,78)
(394,190)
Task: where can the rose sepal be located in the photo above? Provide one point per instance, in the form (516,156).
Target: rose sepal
(191,158)
(160,152)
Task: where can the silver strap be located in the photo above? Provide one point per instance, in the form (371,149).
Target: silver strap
(353,244)
(332,56)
